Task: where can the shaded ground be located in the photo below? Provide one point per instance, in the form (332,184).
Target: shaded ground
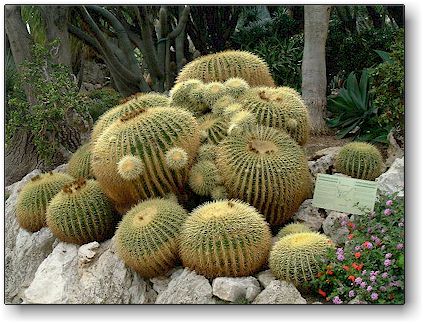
(319,142)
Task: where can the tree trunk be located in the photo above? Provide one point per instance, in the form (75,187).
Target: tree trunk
(314,81)
(377,20)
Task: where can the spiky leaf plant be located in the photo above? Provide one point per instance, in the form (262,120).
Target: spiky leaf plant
(149,135)
(146,238)
(359,160)
(135,102)
(266,168)
(278,108)
(229,64)
(81,213)
(298,257)
(79,164)
(226,238)
(34,197)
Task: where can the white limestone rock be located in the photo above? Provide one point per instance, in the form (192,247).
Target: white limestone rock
(265,277)
(280,292)
(393,180)
(333,228)
(309,215)
(233,289)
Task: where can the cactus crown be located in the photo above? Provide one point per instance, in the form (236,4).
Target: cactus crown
(176,158)
(298,257)
(224,238)
(265,167)
(293,228)
(75,186)
(359,160)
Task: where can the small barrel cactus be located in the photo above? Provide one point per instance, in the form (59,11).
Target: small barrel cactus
(236,87)
(226,238)
(219,193)
(212,92)
(293,228)
(135,102)
(278,108)
(298,257)
(145,154)
(34,197)
(213,128)
(204,176)
(228,64)
(359,160)
(189,95)
(147,236)
(266,168)
(221,104)
(79,164)
(207,152)
(81,213)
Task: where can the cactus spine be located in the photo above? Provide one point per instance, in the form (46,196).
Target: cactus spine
(189,95)
(266,168)
(81,213)
(225,238)
(34,197)
(214,128)
(359,160)
(298,257)
(146,238)
(79,164)
(204,176)
(225,65)
(292,229)
(148,135)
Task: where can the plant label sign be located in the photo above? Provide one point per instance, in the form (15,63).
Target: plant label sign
(343,194)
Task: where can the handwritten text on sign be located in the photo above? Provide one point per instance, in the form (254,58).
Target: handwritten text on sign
(344,194)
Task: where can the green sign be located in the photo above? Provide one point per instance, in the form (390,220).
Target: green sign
(353,196)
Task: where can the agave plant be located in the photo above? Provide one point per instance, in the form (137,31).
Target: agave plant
(352,108)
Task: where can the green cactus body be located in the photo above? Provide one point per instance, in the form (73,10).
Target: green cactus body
(278,108)
(236,87)
(219,193)
(266,168)
(213,128)
(359,160)
(298,257)
(221,104)
(135,102)
(207,152)
(222,66)
(147,236)
(81,213)
(34,197)
(147,135)
(79,164)
(189,95)
(212,92)
(204,176)
(292,229)
(225,238)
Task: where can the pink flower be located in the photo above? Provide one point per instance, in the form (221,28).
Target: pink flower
(387,262)
(389,202)
(372,278)
(363,284)
(357,248)
(358,280)
(387,212)
(399,246)
(352,294)
(374,296)
(337,300)
(367,245)
(388,255)
(384,275)
(369,288)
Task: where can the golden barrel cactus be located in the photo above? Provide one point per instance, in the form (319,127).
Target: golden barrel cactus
(266,168)
(129,159)
(228,64)
(226,238)
(79,164)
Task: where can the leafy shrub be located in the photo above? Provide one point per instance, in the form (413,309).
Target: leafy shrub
(55,93)
(371,264)
(388,86)
(102,100)
(353,111)
(347,52)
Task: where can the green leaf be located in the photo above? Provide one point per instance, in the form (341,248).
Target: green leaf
(385,56)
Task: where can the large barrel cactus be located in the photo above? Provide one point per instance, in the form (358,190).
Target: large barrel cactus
(266,168)
(35,196)
(79,164)
(298,257)
(225,238)
(229,64)
(279,108)
(81,213)
(130,160)
(146,238)
(135,102)
(359,160)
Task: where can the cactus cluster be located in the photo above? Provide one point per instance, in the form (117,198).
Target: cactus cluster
(164,142)
(359,160)
(298,257)
(35,196)
(147,236)
(79,164)
(222,66)
(225,238)
(212,128)
(266,168)
(189,95)
(81,213)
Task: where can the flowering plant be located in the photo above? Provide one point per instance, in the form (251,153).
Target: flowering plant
(370,266)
